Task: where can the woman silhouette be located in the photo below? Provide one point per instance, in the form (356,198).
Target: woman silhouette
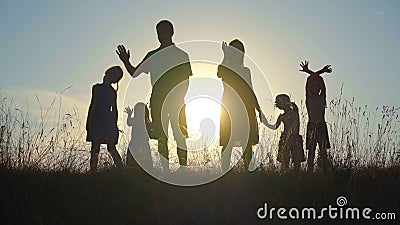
(238,122)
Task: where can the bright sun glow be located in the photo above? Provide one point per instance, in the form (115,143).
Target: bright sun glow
(203,101)
(203,117)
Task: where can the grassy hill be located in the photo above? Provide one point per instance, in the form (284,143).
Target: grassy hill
(134,197)
(43,178)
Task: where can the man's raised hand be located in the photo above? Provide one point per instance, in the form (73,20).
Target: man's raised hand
(123,54)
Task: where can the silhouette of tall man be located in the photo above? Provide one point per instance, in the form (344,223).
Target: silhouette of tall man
(169,69)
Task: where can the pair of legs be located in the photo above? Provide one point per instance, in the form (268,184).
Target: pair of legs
(170,112)
(164,153)
(227,153)
(290,148)
(317,134)
(285,166)
(322,159)
(130,161)
(284,156)
(94,155)
(138,157)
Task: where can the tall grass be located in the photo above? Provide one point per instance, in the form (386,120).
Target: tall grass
(361,137)
(55,140)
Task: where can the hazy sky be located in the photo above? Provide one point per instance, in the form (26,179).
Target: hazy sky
(47,46)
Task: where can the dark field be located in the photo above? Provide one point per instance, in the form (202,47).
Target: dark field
(133,197)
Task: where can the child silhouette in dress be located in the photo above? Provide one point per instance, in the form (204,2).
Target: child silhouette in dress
(101,124)
(139,148)
(290,143)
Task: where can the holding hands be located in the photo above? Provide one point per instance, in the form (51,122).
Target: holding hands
(263,118)
(264,121)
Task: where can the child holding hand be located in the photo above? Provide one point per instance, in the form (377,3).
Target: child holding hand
(290,143)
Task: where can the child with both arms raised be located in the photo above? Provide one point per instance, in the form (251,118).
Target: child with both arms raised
(317,131)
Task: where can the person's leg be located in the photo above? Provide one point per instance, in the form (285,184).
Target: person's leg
(311,145)
(285,159)
(247,155)
(285,165)
(177,116)
(226,157)
(94,156)
(296,166)
(163,140)
(297,153)
(160,121)
(163,151)
(323,159)
(310,160)
(147,158)
(180,140)
(324,145)
(130,161)
(182,152)
(115,155)
(181,146)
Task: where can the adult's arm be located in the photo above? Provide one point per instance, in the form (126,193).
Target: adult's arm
(124,57)
(249,88)
(276,125)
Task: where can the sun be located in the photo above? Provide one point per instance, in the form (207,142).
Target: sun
(202,116)
(203,101)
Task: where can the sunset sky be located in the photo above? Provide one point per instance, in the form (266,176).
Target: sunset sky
(47,46)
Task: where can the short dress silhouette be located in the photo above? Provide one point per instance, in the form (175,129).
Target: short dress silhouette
(103,127)
(139,146)
(238,121)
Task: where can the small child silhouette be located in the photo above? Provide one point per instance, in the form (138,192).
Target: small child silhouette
(101,124)
(139,147)
(290,143)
